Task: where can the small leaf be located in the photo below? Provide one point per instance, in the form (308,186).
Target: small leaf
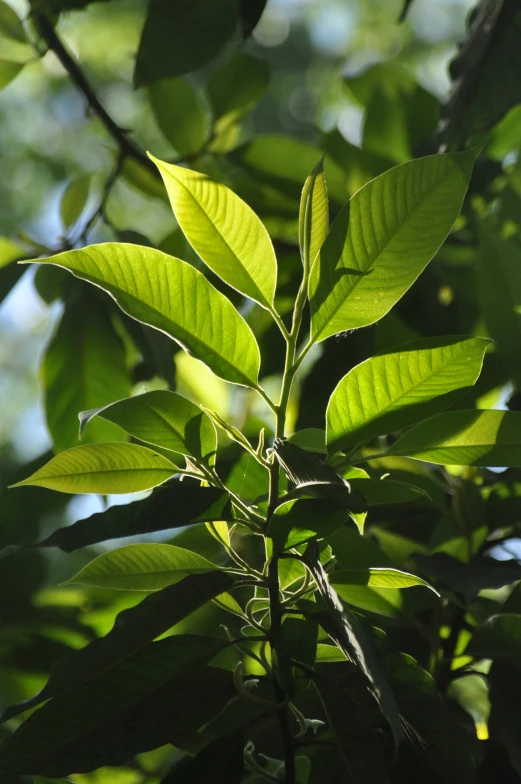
(103,468)
(175,506)
(401,387)
(379,243)
(74,200)
(141,567)
(314,216)
(8,71)
(170,295)
(223,230)
(231,431)
(480,438)
(133,629)
(378,577)
(162,418)
(180,114)
(10,24)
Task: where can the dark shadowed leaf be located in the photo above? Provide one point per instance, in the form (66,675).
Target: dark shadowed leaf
(181,114)
(221,762)
(467,579)
(499,638)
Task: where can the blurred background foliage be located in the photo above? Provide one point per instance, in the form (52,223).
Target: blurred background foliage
(360,81)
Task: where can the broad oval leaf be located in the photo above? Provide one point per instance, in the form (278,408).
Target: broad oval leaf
(383,239)
(479,438)
(378,577)
(103,469)
(74,200)
(297,521)
(223,230)
(313,216)
(172,296)
(10,24)
(399,388)
(142,567)
(181,114)
(163,418)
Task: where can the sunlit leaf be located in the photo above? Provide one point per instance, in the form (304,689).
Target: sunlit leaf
(314,215)
(383,239)
(401,387)
(8,71)
(142,567)
(377,577)
(162,418)
(103,468)
(172,296)
(480,438)
(223,230)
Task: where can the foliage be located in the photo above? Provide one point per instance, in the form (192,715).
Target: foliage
(303,384)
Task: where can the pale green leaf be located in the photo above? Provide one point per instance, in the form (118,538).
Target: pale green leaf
(223,230)
(10,24)
(8,71)
(9,251)
(172,296)
(103,468)
(181,114)
(314,215)
(383,239)
(74,200)
(399,388)
(162,418)
(480,438)
(378,577)
(142,567)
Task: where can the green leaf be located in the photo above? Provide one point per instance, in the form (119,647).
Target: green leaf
(179,37)
(141,567)
(351,637)
(295,522)
(505,695)
(384,491)
(10,24)
(175,506)
(223,230)
(133,629)
(311,439)
(232,432)
(379,243)
(84,366)
(181,114)
(378,577)
(164,419)
(250,78)
(74,200)
(468,579)
(499,638)
(8,71)
(480,438)
(221,762)
(103,468)
(133,706)
(401,387)
(313,216)
(172,296)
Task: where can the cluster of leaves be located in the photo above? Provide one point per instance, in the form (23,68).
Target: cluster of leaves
(313,620)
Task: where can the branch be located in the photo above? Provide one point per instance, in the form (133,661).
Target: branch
(126,147)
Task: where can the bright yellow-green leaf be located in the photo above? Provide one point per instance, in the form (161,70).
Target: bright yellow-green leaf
(103,468)
(9,251)
(378,577)
(399,388)
(228,603)
(142,567)
(383,239)
(314,215)
(172,296)
(162,418)
(223,230)
(74,200)
(480,438)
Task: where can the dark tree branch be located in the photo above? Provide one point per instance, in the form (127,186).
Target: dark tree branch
(127,148)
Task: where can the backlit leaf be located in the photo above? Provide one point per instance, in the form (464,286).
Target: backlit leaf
(383,239)
(377,577)
(181,114)
(314,215)
(223,230)
(172,296)
(10,24)
(399,388)
(103,468)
